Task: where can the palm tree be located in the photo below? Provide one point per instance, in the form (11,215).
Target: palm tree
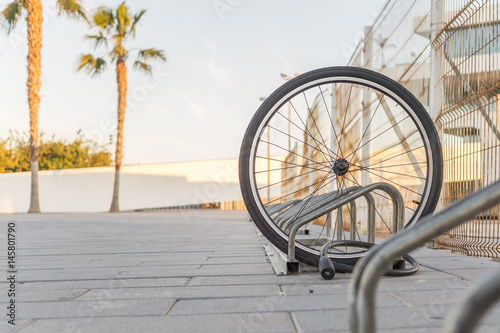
(34,18)
(112,27)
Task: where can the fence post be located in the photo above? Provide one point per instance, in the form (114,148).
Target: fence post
(435,84)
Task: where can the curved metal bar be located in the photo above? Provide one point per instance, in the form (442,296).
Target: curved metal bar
(290,213)
(354,215)
(276,208)
(288,225)
(398,210)
(369,269)
(328,199)
(479,299)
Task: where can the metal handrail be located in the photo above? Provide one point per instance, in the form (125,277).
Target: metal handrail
(391,190)
(368,271)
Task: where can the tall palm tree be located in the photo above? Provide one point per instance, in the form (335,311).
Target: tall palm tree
(34,18)
(111,29)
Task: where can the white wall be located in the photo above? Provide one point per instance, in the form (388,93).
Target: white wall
(141,186)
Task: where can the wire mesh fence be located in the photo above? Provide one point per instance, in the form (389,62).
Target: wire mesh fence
(447,53)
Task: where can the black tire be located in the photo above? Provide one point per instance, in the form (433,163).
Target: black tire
(374,84)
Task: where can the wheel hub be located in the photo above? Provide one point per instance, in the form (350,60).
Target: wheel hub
(340,167)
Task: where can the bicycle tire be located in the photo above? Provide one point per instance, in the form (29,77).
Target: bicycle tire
(374,84)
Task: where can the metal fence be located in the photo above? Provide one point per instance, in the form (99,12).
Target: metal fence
(447,53)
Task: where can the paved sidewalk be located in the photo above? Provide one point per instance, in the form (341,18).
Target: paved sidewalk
(199,271)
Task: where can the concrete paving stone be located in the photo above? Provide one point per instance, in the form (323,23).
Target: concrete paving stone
(241,247)
(204,270)
(76,264)
(235,254)
(442,297)
(238,269)
(85,252)
(244,241)
(269,304)
(236,260)
(5,327)
(400,318)
(423,273)
(184,293)
(386,285)
(106,284)
(178,263)
(95,308)
(176,257)
(159,272)
(254,279)
(247,322)
(206,261)
(424,252)
(214,265)
(471,274)
(67,274)
(48,295)
(459,262)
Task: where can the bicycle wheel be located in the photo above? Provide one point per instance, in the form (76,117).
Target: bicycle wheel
(324,133)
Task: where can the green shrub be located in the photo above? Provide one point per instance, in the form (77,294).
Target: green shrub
(54,154)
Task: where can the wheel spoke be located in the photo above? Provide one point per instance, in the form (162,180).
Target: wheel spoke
(345,116)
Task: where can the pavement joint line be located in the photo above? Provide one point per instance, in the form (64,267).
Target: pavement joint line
(295,322)
(117,274)
(74,297)
(29,322)
(97,253)
(171,307)
(446,272)
(105,316)
(187,282)
(401,299)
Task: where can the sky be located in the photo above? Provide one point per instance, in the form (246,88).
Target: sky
(222,57)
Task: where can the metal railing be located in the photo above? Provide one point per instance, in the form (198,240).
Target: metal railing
(368,271)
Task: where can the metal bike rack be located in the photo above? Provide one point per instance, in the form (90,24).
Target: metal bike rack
(332,204)
(276,208)
(315,204)
(290,214)
(368,271)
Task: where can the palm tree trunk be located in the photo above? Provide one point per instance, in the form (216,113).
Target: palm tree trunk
(121,78)
(34,20)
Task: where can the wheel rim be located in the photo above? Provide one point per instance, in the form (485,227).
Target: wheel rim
(344,152)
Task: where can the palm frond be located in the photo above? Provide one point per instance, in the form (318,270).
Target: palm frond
(153,54)
(72,8)
(98,39)
(92,65)
(139,65)
(137,17)
(104,18)
(11,13)
(123,19)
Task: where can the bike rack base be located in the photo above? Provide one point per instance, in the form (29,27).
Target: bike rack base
(283,266)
